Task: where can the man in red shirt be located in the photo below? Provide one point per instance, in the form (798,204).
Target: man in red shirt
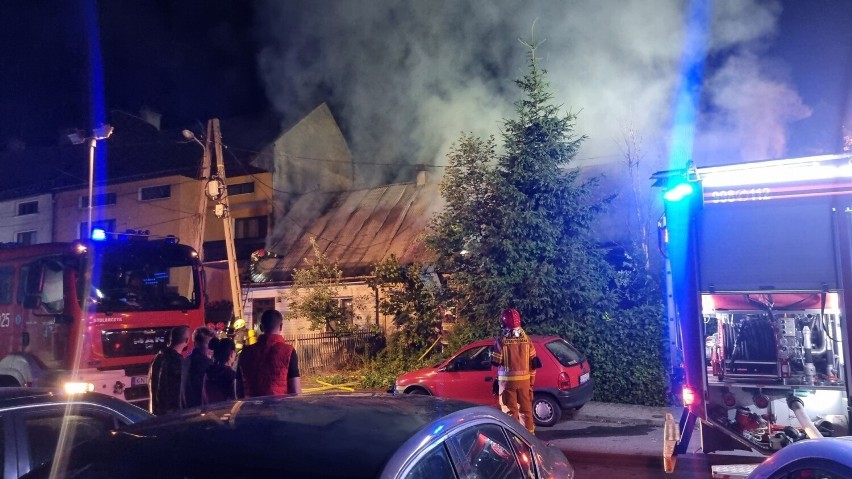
(270,366)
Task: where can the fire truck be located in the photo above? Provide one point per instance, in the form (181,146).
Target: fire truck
(90,315)
(759,282)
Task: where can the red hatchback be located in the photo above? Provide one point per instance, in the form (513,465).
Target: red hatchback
(563,382)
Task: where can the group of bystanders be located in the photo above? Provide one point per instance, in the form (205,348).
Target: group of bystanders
(213,372)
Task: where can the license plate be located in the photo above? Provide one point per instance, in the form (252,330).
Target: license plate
(584,377)
(138,380)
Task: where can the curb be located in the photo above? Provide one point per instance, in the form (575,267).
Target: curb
(648,421)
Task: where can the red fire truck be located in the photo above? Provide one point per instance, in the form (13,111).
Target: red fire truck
(90,315)
(759,280)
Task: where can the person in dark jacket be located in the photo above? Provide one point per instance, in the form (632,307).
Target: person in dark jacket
(164,374)
(196,365)
(270,366)
(220,380)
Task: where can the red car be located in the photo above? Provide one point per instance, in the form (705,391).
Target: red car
(563,382)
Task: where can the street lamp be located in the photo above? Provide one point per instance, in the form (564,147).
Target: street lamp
(100,133)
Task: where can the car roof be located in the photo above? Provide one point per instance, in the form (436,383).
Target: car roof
(19,397)
(347,436)
(535,338)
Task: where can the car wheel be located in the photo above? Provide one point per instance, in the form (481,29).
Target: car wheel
(417,391)
(546,411)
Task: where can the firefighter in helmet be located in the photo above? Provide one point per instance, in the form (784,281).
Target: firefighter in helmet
(514,355)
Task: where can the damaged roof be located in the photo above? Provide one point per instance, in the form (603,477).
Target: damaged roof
(355,228)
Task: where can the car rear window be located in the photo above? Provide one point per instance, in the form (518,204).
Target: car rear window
(566,354)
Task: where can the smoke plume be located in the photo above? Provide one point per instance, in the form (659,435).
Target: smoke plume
(404,79)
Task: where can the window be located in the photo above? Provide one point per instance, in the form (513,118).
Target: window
(106,225)
(347,307)
(473,359)
(241,188)
(434,465)
(566,354)
(7,278)
(250,228)
(43,431)
(27,208)
(526,456)
(26,237)
(100,200)
(155,192)
(487,452)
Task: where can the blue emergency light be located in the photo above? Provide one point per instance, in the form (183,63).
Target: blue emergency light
(679,192)
(98,234)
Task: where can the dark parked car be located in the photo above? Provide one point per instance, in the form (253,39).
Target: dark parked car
(563,382)
(321,436)
(31,422)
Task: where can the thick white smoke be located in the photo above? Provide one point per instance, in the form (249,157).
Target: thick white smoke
(406,78)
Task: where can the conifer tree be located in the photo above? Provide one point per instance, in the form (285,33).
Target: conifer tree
(516,229)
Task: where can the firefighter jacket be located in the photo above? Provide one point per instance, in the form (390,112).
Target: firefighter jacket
(265,366)
(514,353)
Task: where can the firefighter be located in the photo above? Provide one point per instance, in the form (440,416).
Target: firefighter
(514,356)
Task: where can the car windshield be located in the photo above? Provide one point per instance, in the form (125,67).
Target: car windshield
(143,278)
(566,354)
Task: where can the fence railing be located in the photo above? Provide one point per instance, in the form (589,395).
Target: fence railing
(331,352)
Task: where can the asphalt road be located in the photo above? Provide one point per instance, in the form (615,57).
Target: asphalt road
(626,451)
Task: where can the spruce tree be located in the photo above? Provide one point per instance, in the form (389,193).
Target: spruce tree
(516,229)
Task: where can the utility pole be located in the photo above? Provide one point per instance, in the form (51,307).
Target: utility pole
(222,211)
(217,190)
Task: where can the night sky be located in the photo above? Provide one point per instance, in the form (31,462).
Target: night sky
(404,79)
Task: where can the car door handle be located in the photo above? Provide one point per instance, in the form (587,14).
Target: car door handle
(488,378)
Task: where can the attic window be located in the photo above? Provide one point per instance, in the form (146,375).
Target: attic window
(155,192)
(241,188)
(100,200)
(27,208)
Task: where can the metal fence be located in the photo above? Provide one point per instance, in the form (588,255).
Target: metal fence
(332,352)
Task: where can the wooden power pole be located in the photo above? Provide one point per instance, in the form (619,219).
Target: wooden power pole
(217,190)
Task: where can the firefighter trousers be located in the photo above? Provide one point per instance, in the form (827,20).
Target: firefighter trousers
(517,397)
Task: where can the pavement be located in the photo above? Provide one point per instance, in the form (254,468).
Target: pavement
(594,411)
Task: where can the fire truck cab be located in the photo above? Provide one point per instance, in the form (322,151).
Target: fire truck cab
(91,315)
(759,282)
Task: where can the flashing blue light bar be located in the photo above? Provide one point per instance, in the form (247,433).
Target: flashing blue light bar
(679,192)
(98,234)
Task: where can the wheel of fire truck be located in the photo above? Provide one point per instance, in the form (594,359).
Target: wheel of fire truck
(546,411)
(418,391)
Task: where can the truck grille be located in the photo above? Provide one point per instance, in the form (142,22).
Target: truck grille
(120,343)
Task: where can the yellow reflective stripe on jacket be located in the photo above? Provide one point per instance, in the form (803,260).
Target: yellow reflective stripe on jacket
(519,377)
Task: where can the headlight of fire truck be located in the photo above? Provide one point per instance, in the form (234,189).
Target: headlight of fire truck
(77,387)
